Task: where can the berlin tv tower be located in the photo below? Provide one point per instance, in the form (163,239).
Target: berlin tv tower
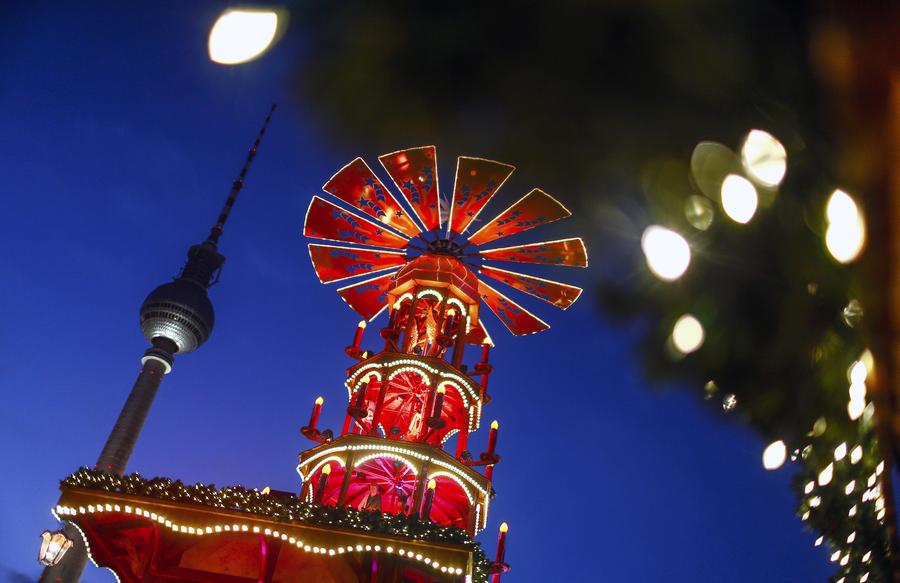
(176,318)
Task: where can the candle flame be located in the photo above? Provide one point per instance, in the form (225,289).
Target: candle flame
(432,484)
(495,425)
(442,390)
(504,527)
(319,400)
(326,469)
(362,324)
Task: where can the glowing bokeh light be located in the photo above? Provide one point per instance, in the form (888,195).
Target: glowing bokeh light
(774,455)
(239,36)
(764,158)
(826,475)
(857,372)
(739,198)
(687,334)
(699,212)
(846,232)
(668,253)
(840,452)
(855,408)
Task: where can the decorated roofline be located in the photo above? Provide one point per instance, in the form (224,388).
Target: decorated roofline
(235,508)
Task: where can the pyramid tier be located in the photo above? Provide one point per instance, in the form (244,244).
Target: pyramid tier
(401,394)
(373,473)
(149,540)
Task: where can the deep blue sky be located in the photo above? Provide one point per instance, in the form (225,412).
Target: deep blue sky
(119,142)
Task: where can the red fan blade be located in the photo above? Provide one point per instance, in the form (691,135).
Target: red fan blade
(552,292)
(569,252)
(532,210)
(515,317)
(479,335)
(476,182)
(326,220)
(358,186)
(334,263)
(368,297)
(414,171)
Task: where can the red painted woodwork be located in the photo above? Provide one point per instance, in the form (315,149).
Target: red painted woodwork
(476,182)
(532,210)
(358,186)
(569,252)
(414,171)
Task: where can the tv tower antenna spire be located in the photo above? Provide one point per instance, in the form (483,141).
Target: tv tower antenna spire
(238,183)
(176,318)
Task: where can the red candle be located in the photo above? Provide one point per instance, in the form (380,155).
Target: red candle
(361,395)
(501,543)
(448,321)
(485,349)
(429,500)
(438,402)
(501,551)
(357,338)
(317,409)
(462,439)
(323,480)
(492,437)
(489,472)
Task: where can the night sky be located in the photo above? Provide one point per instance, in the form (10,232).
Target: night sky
(119,143)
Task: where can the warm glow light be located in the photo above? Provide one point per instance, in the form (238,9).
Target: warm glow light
(495,425)
(868,360)
(432,484)
(764,158)
(846,233)
(319,400)
(687,334)
(855,408)
(54,546)
(774,455)
(840,452)
(442,390)
(362,324)
(239,36)
(858,392)
(326,469)
(826,475)
(858,372)
(668,253)
(739,198)
(856,454)
(504,527)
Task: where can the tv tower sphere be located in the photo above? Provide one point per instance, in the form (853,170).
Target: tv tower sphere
(181,310)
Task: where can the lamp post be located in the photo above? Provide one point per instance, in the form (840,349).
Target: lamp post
(54,546)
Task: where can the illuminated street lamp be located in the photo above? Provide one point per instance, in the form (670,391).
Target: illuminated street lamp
(53,547)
